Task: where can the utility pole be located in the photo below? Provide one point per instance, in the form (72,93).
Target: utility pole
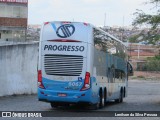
(104,19)
(138,51)
(122,29)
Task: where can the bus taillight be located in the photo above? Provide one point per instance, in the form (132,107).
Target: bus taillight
(86,82)
(86,24)
(40,84)
(46,23)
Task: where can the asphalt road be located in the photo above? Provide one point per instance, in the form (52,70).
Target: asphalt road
(142,96)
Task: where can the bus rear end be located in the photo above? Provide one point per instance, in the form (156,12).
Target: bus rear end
(63,76)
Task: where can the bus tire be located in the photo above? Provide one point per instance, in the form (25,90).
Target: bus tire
(101,103)
(54,105)
(124,94)
(120,99)
(95,106)
(105,96)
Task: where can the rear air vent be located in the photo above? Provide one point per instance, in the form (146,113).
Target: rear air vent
(63,65)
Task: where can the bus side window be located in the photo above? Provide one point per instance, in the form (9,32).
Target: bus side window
(108,73)
(100,40)
(111,75)
(116,73)
(121,74)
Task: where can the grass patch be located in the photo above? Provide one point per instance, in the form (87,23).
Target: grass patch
(140,76)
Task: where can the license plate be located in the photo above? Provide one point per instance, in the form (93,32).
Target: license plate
(62,94)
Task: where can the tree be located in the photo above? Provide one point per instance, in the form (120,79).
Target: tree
(153,64)
(143,18)
(152,20)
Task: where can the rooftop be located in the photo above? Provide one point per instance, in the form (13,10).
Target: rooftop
(15,1)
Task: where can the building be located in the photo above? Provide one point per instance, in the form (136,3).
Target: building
(139,53)
(13,20)
(33,32)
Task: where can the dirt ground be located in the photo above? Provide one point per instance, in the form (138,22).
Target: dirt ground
(146,75)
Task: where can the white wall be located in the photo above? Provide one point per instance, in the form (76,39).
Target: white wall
(18,69)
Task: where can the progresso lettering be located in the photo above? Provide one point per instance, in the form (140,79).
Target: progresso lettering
(64,48)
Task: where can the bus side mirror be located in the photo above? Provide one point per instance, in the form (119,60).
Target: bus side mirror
(130,69)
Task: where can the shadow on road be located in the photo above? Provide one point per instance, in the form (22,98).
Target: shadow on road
(81,108)
(81,111)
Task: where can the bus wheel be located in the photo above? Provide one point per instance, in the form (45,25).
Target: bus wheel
(95,106)
(120,99)
(105,96)
(54,105)
(102,102)
(122,95)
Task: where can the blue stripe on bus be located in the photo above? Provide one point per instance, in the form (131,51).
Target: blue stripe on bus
(54,26)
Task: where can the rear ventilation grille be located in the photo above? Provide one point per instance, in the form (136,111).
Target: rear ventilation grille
(63,65)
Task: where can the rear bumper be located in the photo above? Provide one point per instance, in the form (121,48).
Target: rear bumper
(74,97)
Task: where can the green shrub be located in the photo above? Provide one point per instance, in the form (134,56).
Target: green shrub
(152,64)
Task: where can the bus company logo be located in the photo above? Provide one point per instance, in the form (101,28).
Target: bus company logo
(65,31)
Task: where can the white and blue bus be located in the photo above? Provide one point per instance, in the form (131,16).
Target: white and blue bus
(80,63)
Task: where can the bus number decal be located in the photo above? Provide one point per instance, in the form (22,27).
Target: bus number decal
(75,84)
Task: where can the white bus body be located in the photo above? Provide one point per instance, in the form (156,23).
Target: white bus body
(79,63)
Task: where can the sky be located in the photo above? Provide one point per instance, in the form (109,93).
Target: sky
(117,12)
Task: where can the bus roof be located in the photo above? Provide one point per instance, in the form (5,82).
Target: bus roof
(68,22)
(86,24)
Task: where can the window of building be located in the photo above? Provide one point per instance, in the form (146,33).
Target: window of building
(8,11)
(23,12)
(16,12)
(19,12)
(2,12)
(18,34)
(13,11)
